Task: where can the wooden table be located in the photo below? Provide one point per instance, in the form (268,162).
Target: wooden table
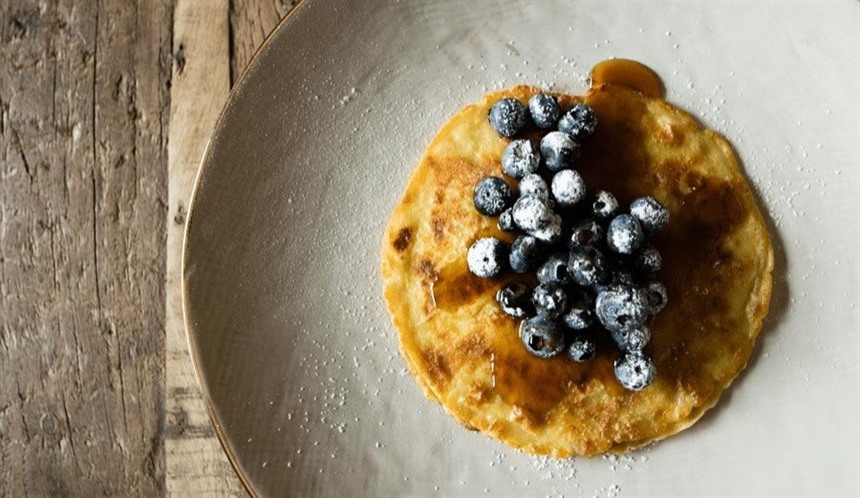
(105,109)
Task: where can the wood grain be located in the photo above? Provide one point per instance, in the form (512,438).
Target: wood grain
(213,42)
(83,121)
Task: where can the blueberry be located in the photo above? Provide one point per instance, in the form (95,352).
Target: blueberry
(616,276)
(582,348)
(550,300)
(515,300)
(487,257)
(586,233)
(506,221)
(651,213)
(632,340)
(568,188)
(604,206)
(579,121)
(492,196)
(525,254)
(634,371)
(656,296)
(508,117)
(587,265)
(622,308)
(580,312)
(544,110)
(533,184)
(542,337)
(559,150)
(531,213)
(554,271)
(551,232)
(648,260)
(520,158)
(624,234)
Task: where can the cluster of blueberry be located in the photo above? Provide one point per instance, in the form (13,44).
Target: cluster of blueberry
(591,259)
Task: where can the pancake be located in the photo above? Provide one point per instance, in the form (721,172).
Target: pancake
(467,355)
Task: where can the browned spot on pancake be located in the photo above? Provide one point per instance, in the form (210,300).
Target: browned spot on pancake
(439,229)
(401,242)
(474,348)
(457,287)
(437,367)
(427,270)
(479,394)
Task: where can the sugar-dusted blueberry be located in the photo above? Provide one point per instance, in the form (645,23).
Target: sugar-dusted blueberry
(492,196)
(531,213)
(550,300)
(520,158)
(534,185)
(526,254)
(634,371)
(554,270)
(632,340)
(551,232)
(568,188)
(580,311)
(506,221)
(624,234)
(559,150)
(586,265)
(604,206)
(579,121)
(582,348)
(648,260)
(622,308)
(508,117)
(487,257)
(544,110)
(651,213)
(586,233)
(515,300)
(542,336)
(656,295)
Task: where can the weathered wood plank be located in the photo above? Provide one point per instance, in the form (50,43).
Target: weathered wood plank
(251,21)
(83,121)
(196,465)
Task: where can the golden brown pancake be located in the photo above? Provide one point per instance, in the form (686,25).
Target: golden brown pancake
(467,354)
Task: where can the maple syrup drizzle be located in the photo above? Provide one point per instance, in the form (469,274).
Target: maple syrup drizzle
(629,73)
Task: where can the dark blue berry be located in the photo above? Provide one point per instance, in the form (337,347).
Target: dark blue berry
(526,254)
(604,206)
(544,110)
(534,185)
(487,257)
(634,371)
(506,221)
(520,158)
(559,150)
(624,234)
(492,196)
(580,312)
(579,121)
(508,117)
(551,232)
(652,215)
(586,265)
(542,336)
(531,213)
(586,233)
(656,296)
(515,300)
(648,260)
(550,300)
(632,340)
(568,188)
(554,271)
(622,308)
(582,348)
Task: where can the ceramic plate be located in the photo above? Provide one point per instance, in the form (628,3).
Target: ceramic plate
(289,334)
